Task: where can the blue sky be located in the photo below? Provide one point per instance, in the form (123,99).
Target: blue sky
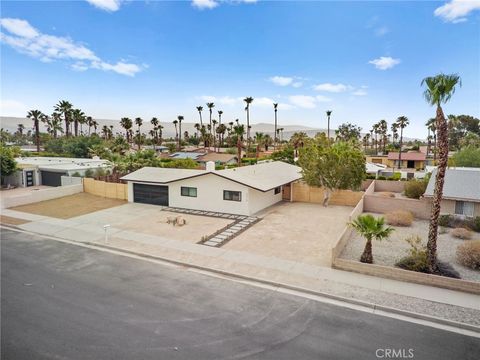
(363,60)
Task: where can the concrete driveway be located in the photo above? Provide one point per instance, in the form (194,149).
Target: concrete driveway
(151,220)
(302,232)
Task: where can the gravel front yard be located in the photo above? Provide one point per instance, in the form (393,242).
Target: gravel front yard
(388,252)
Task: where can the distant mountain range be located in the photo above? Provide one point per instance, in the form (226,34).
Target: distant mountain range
(11,124)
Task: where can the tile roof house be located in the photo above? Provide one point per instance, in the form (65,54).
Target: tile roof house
(244,190)
(461,191)
(409,160)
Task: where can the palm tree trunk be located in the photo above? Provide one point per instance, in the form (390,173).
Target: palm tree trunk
(434,147)
(400,149)
(328,129)
(442,129)
(367,256)
(239,151)
(275,133)
(37,136)
(75,126)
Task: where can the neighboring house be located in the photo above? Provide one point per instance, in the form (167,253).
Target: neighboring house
(461,191)
(186,155)
(49,170)
(217,158)
(414,160)
(377,159)
(158,148)
(244,190)
(374,169)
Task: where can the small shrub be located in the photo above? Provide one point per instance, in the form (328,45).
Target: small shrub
(476,224)
(382,178)
(462,233)
(442,230)
(416,260)
(415,188)
(399,218)
(468,254)
(76,174)
(445,220)
(89,173)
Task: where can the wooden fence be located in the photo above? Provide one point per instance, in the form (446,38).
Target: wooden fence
(105,189)
(304,193)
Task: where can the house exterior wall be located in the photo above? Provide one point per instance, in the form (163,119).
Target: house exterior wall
(448,207)
(418,164)
(377,159)
(210,195)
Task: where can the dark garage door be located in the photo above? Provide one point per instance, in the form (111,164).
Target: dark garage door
(150,194)
(51,178)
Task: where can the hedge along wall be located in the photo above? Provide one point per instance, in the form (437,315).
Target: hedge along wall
(302,192)
(105,189)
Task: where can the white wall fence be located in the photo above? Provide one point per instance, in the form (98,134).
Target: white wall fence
(41,195)
(71,180)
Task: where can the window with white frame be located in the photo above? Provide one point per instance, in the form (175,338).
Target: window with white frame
(464,208)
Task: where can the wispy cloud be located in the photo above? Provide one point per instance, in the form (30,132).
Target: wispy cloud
(334,88)
(307,101)
(360,92)
(456,10)
(294,81)
(211,4)
(384,62)
(107,5)
(382,30)
(27,40)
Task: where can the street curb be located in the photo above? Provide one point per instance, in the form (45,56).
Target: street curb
(364,304)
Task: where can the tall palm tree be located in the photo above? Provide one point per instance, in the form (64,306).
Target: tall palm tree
(175,122)
(239,131)
(432,126)
(65,108)
(105,132)
(394,128)
(328,112)
(402,122)
(260,141)
(383,128)
(55,124)
(154,132)
(159,134)
(77,116)
(375,129)
(127,124)
(95,125)
(139,123)
(36,115)
(214,131)
(180,119)
(275,107)
(200,109)
(439,90)
(197,129)
(210,106)
(248,100)
(89,121)
(20,129)
(221,129)
(370,228)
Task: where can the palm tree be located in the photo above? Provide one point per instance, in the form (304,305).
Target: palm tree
(383,128)
(20,129)
(248,100)
(55,124)
(402,122)
(105,132)
(77,116)
(197,129)
(95,124)
(175,122)
(375,128)
(139,123)
(65,108)
(275,106)
(154,132)
(127,124)
(89,120)
(439,90)
(210,106)
(394,128)
(370,228)
(35,115)
(431,126)
(239,130)
(329,112)
(159,134)
(260,141)
(366,140)
(298,140)
(200,109)
(180,119)
(221,129)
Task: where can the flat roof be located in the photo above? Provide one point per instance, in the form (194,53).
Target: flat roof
(262,177)
(415,156)
(61,163)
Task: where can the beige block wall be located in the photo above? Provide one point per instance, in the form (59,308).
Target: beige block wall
(377,159)
(388,185)
(379,204)
(302,192)
(105,189)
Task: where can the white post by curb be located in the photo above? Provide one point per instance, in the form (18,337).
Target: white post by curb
(105,227)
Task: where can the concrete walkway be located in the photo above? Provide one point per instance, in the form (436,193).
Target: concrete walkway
(421,299)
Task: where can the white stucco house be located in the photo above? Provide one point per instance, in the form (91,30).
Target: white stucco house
(244,191)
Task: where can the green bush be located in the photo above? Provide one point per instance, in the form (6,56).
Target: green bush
(476,224)
(76,174)
(396,176)
(445,220)
(382,178)
(417,259)
(415,188)
(89,173)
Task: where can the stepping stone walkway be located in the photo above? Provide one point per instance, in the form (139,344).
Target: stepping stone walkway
(240,224)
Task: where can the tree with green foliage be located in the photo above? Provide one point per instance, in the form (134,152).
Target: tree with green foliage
(467,157)
(335,167)
(286,154)
(439,90)
(370,228)
(348,132)
(8,165)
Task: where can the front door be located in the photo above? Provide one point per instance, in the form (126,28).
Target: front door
(29,178)
(286,191)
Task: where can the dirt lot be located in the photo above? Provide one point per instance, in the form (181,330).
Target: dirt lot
(152,220)
(295,231)
(70,206)
(388,252)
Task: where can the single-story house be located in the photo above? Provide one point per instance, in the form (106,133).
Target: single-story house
(244,190)
(409,160)
(186,155)
(374,169)
(38,170)
(217,158)
(377,159)
(461,191)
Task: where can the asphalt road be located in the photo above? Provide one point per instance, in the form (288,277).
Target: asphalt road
(62,301)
